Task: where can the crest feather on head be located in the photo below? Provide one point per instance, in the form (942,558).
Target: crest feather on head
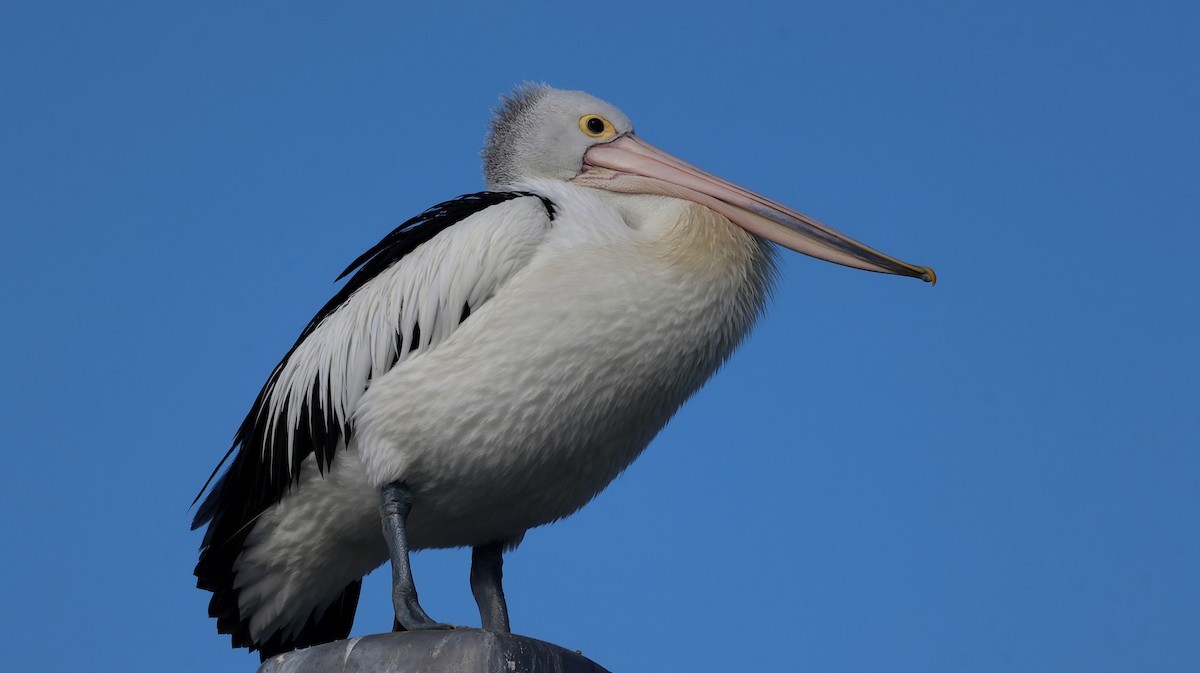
(507,128)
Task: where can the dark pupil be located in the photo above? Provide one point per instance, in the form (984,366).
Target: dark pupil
(595,125)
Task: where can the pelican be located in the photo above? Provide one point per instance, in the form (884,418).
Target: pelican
(490,366)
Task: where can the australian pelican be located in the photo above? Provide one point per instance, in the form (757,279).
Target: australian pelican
(490,366)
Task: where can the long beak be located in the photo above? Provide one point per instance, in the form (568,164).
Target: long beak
(631,165)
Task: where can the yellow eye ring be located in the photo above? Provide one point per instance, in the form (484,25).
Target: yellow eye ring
(595,126)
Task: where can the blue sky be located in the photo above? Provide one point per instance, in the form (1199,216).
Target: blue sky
(996,474)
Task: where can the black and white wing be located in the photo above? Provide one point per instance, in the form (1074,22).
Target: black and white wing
(407,294)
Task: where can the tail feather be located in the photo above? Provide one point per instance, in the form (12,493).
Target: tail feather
(230,524)
(333,624)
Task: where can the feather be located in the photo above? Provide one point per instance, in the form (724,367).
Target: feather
(407,294)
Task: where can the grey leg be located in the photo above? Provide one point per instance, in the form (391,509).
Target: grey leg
(487,572)
(395,504)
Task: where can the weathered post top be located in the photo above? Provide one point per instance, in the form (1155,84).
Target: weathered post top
(457,651)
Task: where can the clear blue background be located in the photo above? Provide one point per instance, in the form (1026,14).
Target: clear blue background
(997,474)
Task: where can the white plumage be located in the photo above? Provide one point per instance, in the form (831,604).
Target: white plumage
(502,370)
(426,290)
(498,423)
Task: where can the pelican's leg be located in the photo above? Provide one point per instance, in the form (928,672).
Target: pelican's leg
(395,504)
(487,572)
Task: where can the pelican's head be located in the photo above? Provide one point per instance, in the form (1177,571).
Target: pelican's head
(542,132)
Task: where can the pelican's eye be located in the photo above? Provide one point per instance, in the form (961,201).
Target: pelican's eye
(595,126)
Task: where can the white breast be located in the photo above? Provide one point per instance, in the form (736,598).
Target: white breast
(547,393)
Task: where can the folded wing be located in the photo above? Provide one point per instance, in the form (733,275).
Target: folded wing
(407,295)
